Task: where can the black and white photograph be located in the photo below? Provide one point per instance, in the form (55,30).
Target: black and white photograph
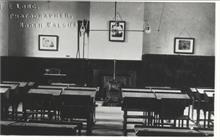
(117,31)
(184,45)
(109,69)
(48,42)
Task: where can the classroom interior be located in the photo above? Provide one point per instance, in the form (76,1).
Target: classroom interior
(87,68)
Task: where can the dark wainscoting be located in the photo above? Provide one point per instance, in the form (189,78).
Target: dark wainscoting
(178,70)
(155,70)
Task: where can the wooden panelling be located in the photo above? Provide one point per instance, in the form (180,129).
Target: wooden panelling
(153,70)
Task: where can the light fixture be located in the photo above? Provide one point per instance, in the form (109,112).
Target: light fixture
(147,28)
(117,16)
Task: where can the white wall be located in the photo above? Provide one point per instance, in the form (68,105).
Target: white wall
(178,20)
(195,20)
(3,28)
(100,46)
(24,41)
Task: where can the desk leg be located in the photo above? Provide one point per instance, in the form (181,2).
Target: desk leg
(205,119)
(125,123)
(209,118)
(198,116)
(89,124)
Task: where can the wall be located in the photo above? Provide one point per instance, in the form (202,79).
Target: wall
(195,20)
(3,28)
(100,46)
(47,18)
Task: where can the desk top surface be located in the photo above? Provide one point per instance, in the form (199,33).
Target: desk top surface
(172,96)
(52,87)
(193,89)
(203,90)
(137,95)
(54,92)
(166,90)
(79,92)
(3,90)
(157,87)
(50,74)
(135,90)
(63,84)
(210,93)
(82,88)
(12,86)
(20,84)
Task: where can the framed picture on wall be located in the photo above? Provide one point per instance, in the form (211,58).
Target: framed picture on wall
(48,42)
(117,31)
(184,45)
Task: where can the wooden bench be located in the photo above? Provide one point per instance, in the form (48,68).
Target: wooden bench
(183,132)
(39,128)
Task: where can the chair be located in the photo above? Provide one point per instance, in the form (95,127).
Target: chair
(113,93)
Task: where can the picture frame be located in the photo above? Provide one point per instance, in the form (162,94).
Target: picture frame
(184,45)
(48,42)
(117,31)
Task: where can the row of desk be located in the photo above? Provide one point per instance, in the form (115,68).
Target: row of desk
(59,101)
(64,102)
(159,104)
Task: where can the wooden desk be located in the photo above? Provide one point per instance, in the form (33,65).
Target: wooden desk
(172,106)
(154,103)
(12,98)
(41,100)
(79,104)
(203,99)
(138,101)
(4,97)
